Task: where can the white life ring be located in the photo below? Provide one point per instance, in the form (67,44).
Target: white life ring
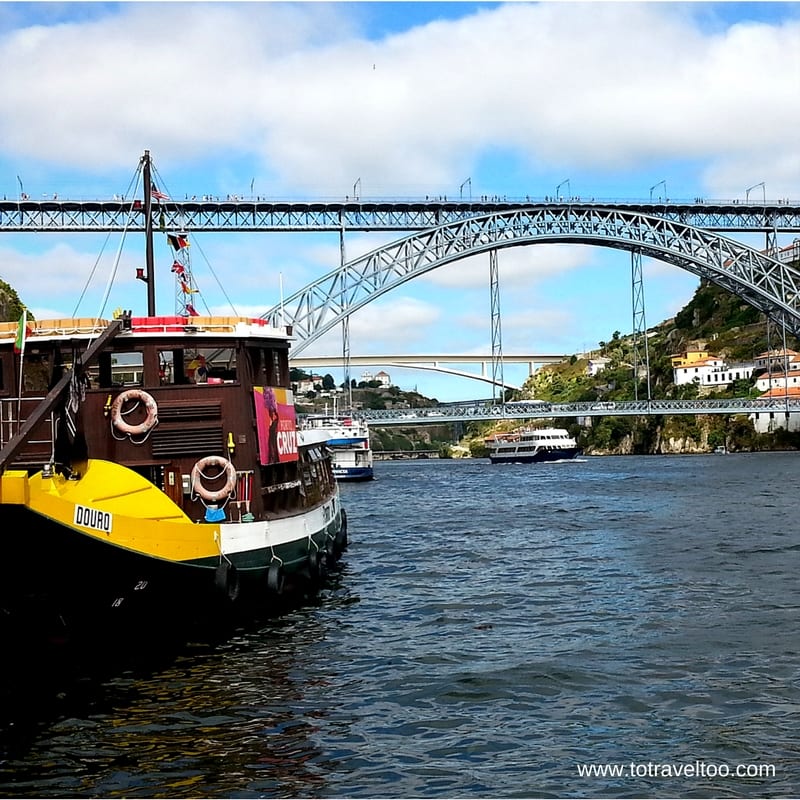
(150,421)
(226,468)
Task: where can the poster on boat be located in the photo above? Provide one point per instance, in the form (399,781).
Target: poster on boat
(276,423)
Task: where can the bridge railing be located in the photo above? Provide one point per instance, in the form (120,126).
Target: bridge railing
(473,412)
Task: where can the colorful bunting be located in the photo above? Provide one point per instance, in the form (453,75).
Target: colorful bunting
(177,242)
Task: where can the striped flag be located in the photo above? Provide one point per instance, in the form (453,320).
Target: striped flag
(178,242)
(157,195)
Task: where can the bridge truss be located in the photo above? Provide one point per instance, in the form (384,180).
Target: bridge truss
(474,412)
(196,216)
(761,279)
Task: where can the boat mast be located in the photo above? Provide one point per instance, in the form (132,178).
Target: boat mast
(148,236)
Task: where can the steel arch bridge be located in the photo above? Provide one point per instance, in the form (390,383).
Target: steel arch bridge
(758,278)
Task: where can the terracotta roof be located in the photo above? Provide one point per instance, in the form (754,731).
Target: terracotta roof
(781,391)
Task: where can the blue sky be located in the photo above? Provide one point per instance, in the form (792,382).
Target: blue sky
(301,100)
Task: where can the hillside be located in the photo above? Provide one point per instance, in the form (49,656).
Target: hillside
(714,317)
(10,304)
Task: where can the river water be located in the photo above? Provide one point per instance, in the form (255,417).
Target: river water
(494,631)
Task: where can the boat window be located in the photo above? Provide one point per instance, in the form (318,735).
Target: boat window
(171,367)
(278,378)
(270,367)
(36,371)
(257,368)
(121,369)
(210,365)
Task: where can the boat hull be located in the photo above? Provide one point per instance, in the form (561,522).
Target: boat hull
(353,473)
(86,562)
(540,456)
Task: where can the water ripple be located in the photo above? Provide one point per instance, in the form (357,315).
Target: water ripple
(490,631)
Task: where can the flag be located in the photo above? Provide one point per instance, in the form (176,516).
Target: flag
(177,242)
(190,310)
(188,289)
(178,268)
(19,342)
(157,195)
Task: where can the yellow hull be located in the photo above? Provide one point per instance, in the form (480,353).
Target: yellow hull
(116,506)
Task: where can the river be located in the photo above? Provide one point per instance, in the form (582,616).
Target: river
(494,631)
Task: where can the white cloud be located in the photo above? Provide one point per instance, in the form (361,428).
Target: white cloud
(384,326)
(599,86)
(299,98)
(516,266)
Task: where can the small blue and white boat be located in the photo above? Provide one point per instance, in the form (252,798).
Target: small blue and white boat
(348,442)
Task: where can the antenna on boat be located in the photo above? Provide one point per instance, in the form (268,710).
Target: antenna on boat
(148,235)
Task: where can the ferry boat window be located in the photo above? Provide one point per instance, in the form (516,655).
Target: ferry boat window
(121,369)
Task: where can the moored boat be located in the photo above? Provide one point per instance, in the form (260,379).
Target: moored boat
(348,442)
(152,466)
(532,445)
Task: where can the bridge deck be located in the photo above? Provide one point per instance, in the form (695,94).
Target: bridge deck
(473,412)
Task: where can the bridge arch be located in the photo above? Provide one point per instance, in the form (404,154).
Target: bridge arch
(760,280)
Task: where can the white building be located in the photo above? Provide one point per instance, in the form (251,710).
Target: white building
(697,371)
(712,373)
(309,384)
(596,365)
(778,379)
(768,421)
(776,359)
(382,377)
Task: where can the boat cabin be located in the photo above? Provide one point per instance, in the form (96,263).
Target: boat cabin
(167,397)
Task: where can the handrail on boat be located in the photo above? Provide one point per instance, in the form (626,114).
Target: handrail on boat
(55,395)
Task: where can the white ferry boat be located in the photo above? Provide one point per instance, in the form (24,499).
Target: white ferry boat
(348,442)
(532,445)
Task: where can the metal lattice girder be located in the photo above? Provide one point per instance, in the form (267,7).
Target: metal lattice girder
(769,285)
(498,384)
(639,324)
(195,216)
(472,412)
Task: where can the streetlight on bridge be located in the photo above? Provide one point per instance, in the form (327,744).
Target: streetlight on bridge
(763,192)
(467,182)
(655,185)
(569,191)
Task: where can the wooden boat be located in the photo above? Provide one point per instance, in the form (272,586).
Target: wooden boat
(532,445)
(152,464)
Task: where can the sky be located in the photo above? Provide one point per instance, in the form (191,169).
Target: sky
(308,100)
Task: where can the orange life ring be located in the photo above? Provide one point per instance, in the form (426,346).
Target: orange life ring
(150,421)
(226,468)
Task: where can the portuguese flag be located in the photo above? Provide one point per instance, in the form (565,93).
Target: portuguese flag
(19,343)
